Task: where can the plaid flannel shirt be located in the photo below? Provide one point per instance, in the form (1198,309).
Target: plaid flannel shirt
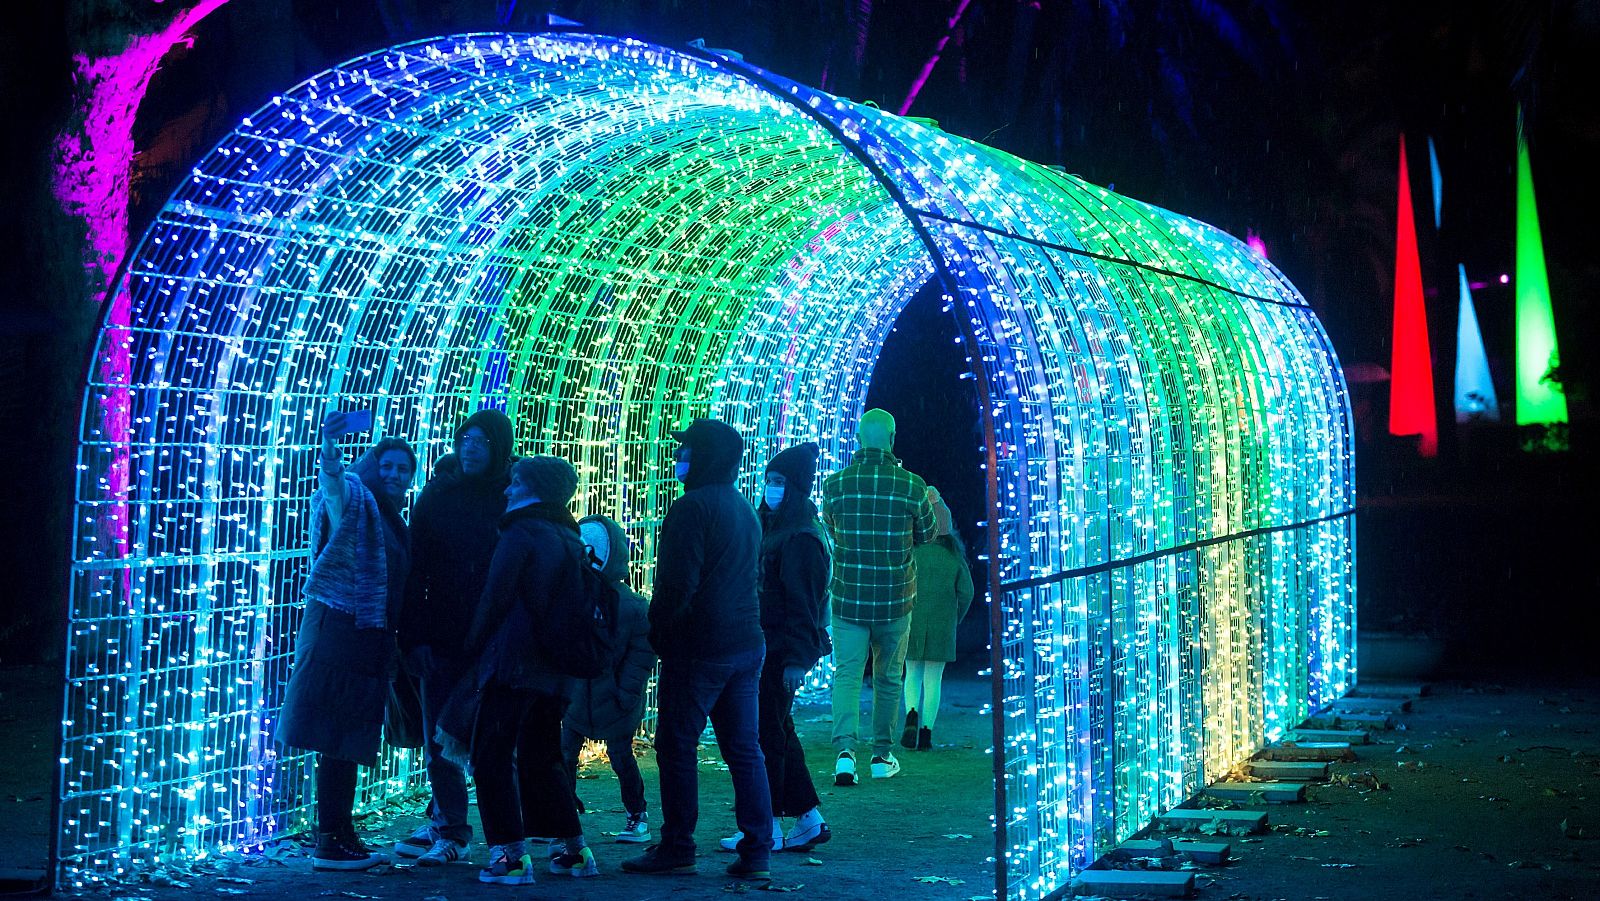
(875,512)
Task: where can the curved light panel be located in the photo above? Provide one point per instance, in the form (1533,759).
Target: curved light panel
(606,238)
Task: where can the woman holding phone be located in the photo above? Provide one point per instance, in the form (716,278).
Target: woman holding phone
(345,653)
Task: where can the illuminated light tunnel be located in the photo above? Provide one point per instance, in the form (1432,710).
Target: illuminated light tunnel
(606,238)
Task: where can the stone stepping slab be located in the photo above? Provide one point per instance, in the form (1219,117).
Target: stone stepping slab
(1187,819)
(1308,750)
(1385,706)
(1142,847)
(1366,720)
(1347,736)
(1137,883)
(1392,689)
(1288,770)
(1258,792)
(1212,853)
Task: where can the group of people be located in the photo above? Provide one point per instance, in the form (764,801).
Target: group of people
(458,601)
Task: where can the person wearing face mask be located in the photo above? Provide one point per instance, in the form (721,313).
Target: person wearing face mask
(516,734)
(795,567)
(345,651)
(705,623)
(608,708)
(944,594)
(453,536)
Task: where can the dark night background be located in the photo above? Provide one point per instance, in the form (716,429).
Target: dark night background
(1279,118)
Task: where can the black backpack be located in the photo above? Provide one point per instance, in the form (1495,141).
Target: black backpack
(578,635)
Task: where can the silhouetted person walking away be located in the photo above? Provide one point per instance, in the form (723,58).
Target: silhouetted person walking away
(876,513)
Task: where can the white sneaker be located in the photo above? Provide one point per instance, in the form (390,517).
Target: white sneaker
(844,769)
(731,843)
(809,831)
(638,829)
(416,844)
(443,851)
(885,766)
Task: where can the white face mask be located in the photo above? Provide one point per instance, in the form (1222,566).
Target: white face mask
(774,496)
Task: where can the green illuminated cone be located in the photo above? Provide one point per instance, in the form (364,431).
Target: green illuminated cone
(1539,400)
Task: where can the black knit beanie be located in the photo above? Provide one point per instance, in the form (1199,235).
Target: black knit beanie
(551,479)
(798,466)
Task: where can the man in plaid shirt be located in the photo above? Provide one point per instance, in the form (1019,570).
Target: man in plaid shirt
(875,512)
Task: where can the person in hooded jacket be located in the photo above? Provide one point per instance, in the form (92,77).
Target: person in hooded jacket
(609,708)
(453,536)
(705,623)
(516,741)
(795,568)
(345,650)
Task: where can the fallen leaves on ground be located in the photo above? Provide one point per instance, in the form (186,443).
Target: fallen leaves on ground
(938,880)
(1362,781)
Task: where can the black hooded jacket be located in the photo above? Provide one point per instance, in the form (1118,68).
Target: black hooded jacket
(454,528)
(795,571)
(611,705)
(705,604)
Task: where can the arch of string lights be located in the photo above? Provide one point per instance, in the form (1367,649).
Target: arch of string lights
(606,238)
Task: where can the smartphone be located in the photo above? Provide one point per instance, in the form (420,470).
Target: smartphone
(357,421)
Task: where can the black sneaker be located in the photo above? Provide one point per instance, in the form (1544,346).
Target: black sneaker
(578,864)
(844,768)
(755,871)
(343,851)
(924,739)
(417,843)
(908,736)
(654,862)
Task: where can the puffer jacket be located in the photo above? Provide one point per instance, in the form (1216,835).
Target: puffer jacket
(613,704)
(536,559)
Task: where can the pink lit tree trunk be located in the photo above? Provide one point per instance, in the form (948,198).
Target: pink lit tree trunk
(938,50)
(93,161)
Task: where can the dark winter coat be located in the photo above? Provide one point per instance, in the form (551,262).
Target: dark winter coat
(612,705)
(340,682)
(453,534)
(795,569)
(537,558)
(704,605)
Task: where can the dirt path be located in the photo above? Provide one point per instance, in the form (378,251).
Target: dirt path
(1490,792)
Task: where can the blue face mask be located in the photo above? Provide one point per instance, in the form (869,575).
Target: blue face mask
(680,470)
(774,496)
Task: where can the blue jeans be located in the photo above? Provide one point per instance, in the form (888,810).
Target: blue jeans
(447,811)
(725,691)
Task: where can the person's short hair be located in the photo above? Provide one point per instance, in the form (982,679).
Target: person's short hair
(876,429)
